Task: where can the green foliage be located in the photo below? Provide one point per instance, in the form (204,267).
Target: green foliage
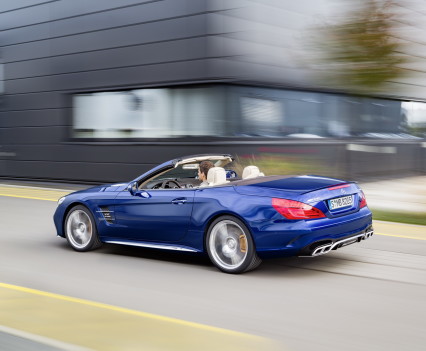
(402,217)
(362,52)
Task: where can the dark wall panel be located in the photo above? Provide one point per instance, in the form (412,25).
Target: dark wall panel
(25,16)
(169,30)
(117,77)
(81,7)
(57,48)
(123,16)
(69,170)
(404,159)
(33,135)
(78,152)
(20,35)
(31,118)
(32,101)
(63,10)
(15,5)
(179,50)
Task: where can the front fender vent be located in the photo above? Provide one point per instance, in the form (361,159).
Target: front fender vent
(107,214)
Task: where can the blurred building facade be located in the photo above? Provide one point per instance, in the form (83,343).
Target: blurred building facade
(102,90)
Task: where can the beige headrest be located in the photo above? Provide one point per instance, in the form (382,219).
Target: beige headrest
(216,176)
(251,172)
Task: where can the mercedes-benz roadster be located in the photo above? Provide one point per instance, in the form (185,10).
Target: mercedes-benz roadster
(237,219)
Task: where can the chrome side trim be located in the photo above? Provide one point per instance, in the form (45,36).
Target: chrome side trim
(322,250)
(151,246)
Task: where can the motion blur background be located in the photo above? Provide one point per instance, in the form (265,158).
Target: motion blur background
(96,91)
(102,90)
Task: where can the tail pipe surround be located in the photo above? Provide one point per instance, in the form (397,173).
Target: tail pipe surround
(323,249)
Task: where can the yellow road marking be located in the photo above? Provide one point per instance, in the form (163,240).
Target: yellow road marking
(29,197)
(32,193)
(105,327)
(409,231)
(120,309)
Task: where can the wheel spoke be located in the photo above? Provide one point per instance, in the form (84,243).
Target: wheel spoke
(222,233)
(225,244)
(74,220)
(234,259)
(84,237)
(79,229)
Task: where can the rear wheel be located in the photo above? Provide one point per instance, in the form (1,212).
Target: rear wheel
(80,229)
(230,246)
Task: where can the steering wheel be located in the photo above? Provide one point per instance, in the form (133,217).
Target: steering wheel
(166,184)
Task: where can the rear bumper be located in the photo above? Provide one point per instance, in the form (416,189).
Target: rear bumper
(322,247)
(302,238)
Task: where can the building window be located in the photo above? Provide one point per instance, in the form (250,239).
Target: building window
(240,112)
(149,113)
(414,114)
(260,116)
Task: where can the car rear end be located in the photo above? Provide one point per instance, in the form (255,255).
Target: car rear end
(307,215)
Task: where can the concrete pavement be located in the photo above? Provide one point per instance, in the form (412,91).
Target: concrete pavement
(301,303)
(397,195)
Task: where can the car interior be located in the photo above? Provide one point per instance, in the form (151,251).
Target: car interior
(185,175)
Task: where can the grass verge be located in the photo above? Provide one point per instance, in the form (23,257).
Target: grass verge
(401,217)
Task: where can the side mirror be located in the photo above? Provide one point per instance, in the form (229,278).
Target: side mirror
(134,191)
(132,188)
(143,193)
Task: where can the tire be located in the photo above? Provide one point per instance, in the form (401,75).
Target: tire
(80,229)
(230,246)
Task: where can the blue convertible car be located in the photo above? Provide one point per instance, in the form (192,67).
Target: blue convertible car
(236,220)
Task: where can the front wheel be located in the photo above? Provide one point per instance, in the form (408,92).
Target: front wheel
(80,229)
(230,246)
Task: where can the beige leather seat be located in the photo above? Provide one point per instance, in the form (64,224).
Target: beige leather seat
(216,176)
(252,172)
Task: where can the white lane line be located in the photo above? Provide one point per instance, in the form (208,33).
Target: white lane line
(42,340)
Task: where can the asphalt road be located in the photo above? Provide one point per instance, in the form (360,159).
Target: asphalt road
(367,296)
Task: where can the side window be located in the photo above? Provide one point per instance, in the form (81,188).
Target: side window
(181,177)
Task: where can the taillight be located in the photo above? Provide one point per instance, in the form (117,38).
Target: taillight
(296,210)
(362,200)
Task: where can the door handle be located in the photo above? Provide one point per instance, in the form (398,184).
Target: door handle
(179,201)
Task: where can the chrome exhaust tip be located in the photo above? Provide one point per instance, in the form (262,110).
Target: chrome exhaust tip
(323,249)
(368,235)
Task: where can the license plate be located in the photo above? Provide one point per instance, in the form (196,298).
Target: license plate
(340,202)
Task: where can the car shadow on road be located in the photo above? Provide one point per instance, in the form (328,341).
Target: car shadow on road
(294,266)
(302,266)
(157,255)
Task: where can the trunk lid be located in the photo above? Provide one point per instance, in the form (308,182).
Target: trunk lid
(334,197)
(296,185)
